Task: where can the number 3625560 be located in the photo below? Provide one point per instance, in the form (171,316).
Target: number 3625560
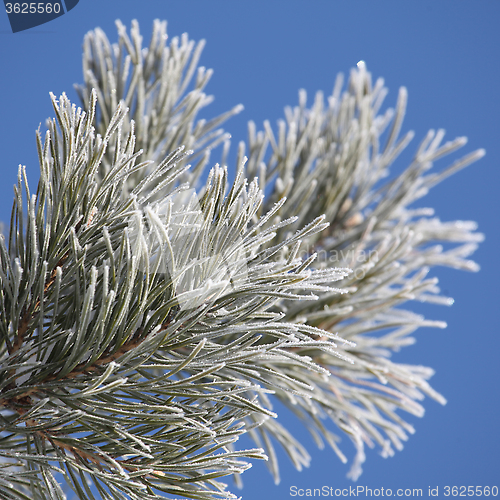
(33,8)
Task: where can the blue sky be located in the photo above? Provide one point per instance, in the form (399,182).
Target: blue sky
(447,54)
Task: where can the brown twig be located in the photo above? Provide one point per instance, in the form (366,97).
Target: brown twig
(82,369)
(134,341)
(21,403)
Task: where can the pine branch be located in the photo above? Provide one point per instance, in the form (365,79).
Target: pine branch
(149,318)
(118,368)
(337,148)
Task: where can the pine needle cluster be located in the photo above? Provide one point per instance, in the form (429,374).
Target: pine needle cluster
(151,314)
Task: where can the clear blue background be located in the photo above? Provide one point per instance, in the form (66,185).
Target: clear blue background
(447,54)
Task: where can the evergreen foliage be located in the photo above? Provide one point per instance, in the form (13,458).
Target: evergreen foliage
(150,316)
